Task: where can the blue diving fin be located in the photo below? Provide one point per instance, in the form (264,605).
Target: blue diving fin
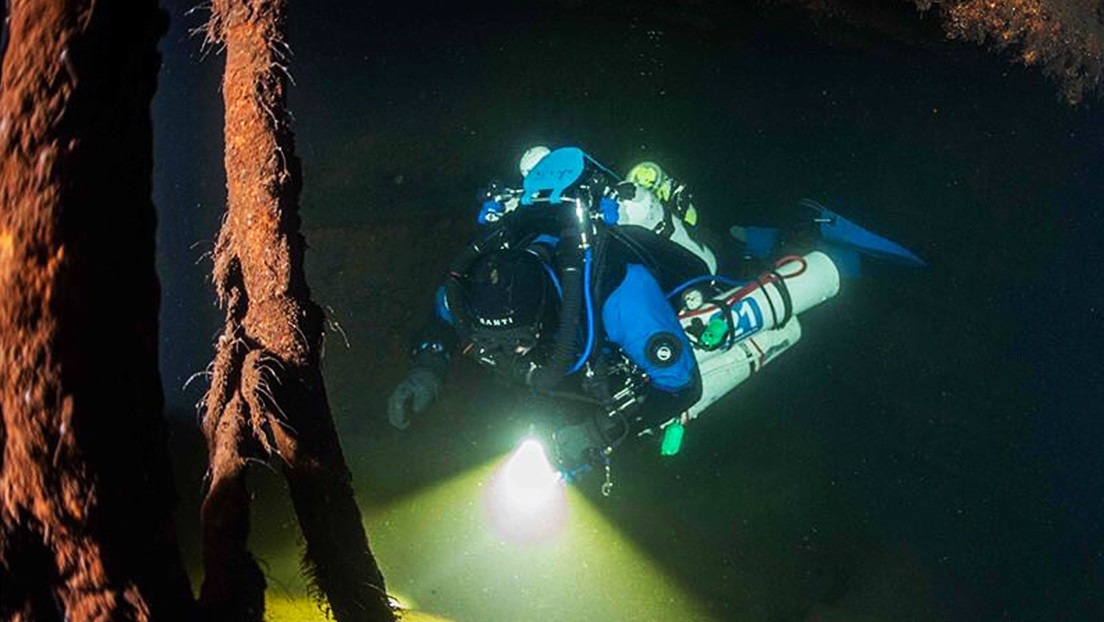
(847,242)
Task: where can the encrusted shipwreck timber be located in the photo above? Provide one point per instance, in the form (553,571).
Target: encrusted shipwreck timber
(267,398)
(86,491)
(1063,39)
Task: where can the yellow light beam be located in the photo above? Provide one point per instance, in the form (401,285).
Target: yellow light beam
(439,548)
(440,554)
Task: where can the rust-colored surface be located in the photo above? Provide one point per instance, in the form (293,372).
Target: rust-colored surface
(267,398)
(86,492)
(1064,38)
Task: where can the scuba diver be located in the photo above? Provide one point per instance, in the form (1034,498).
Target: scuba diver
(605,290)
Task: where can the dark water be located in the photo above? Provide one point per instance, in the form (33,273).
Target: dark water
(931,450)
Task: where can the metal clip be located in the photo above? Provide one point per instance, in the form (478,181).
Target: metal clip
(607,486)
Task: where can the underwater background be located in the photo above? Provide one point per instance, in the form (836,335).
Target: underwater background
(930,450)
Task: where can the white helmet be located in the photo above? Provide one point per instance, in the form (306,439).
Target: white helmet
(530,158)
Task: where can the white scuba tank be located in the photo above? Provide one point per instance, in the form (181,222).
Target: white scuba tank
(722,370)
(764,321)
(646,210)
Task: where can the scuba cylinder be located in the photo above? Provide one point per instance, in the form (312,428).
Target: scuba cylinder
(723,370)
(738,331)
(795,285)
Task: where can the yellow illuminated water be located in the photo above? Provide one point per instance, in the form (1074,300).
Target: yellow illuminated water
(440,555)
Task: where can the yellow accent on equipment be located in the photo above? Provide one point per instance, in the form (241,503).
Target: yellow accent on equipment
(647,174)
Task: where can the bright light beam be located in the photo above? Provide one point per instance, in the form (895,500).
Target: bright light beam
(438,550)
(526,501)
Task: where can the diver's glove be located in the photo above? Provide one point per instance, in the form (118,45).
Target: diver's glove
(419,389)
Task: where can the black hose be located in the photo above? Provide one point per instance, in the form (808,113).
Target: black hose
(454,287)
(566,347)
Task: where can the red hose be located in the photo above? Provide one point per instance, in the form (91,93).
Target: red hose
(762,281)
(787,259)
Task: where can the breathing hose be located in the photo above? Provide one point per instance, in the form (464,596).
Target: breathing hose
(547,376)
(588,268)
(454,287)
(575,280)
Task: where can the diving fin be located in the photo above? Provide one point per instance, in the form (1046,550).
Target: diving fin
(839,233)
